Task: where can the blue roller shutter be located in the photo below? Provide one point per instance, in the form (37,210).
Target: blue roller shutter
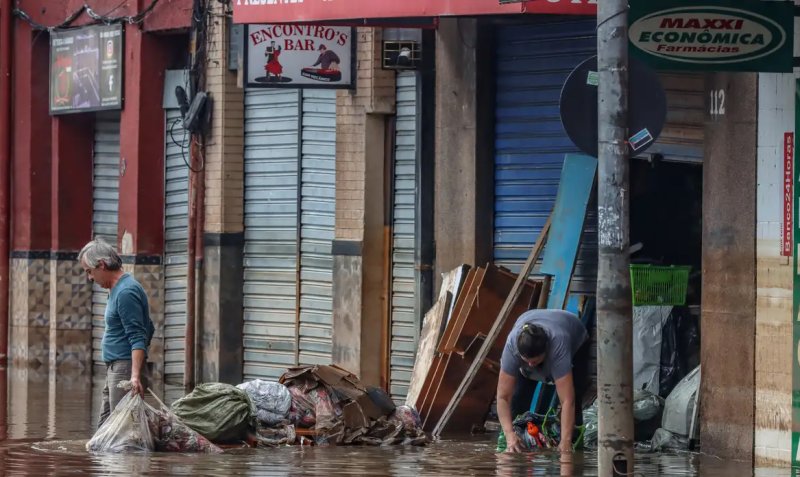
(532,63)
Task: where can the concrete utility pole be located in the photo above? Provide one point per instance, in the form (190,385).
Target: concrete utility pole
(614,307)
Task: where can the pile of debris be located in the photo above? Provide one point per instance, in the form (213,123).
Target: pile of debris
(320,405)
(339,409)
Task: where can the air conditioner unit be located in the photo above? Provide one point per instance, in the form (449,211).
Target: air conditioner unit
(402,55)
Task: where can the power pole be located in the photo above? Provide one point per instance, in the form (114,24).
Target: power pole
(614,307)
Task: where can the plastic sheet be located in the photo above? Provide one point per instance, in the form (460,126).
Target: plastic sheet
(646,405)
(272,400)
(127,429)
(648,322)
(590,426)
(172,435)
(301,413)
(220,412)
(665,440)
(276,436)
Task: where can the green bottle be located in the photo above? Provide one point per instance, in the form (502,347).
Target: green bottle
(501,442)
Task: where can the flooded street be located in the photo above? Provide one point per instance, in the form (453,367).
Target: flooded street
(51,416)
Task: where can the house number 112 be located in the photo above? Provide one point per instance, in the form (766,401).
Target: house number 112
(718,102)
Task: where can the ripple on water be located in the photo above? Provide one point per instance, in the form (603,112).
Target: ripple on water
(448,458)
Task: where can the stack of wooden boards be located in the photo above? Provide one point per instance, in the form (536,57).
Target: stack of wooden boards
(453,332)
(455,375)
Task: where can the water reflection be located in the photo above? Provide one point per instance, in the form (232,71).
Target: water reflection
(51,414)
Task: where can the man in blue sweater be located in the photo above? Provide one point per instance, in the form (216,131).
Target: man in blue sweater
(128,326)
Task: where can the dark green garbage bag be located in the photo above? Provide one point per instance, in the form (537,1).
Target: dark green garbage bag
(220,412)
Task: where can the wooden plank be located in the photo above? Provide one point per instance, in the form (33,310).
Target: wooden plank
(493,334)
(434,377)
(462,298)
(459,278)
(471,411)
(577,180)
(460,319)
(429,339)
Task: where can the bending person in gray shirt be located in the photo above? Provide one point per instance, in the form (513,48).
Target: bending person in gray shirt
(545,346)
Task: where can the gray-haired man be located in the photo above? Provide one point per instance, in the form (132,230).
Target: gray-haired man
(128,326)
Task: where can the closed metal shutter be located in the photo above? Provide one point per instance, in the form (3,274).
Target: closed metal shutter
(176,217)
(105,211)
(404,315)
(270,222)
(533,62)
(317,225)
(683,136)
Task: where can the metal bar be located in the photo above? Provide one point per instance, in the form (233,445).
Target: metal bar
(511,300)
(387,289)
(614,317)
(199,253)
(299,224)
(424,175)
(191,269)
(5,170)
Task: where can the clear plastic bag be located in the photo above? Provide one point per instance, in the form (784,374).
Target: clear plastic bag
(271,399)
(172,435)
(127,429)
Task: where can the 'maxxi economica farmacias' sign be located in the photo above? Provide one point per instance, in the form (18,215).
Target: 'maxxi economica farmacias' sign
(716,35)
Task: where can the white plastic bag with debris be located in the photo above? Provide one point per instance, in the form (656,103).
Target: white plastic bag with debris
(648,321)
(272,400)
(127,428)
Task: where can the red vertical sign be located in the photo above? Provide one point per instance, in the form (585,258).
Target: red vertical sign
(788,180)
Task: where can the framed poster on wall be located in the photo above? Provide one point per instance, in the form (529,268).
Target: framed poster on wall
(86,69)
(299,56)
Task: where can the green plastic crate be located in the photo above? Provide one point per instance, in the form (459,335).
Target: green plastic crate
(659,285)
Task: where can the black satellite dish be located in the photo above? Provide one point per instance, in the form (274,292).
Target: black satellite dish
(647,106)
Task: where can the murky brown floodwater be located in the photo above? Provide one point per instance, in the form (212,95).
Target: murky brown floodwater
(50,416)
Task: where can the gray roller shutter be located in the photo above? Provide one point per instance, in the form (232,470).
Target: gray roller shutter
(176,218)
(290,190)
(270,222)
(105,210)
(404,316)
(317,225)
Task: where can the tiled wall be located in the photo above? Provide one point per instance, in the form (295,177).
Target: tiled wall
(51,310)
(774,278)
(70,314)
(30,311)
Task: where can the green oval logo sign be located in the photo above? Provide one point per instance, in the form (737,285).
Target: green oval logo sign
(707,35)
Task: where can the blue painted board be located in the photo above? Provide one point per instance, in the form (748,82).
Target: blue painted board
(569,213)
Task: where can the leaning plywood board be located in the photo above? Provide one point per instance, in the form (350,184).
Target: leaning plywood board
(569,213)
(428,340)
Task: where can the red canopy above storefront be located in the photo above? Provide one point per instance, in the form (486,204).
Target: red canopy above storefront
(307,11)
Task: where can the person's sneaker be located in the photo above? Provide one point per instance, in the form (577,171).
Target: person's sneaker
(578,440)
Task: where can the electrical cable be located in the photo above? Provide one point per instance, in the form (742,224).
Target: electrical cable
(182,145)
(106,19)
(621,12)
